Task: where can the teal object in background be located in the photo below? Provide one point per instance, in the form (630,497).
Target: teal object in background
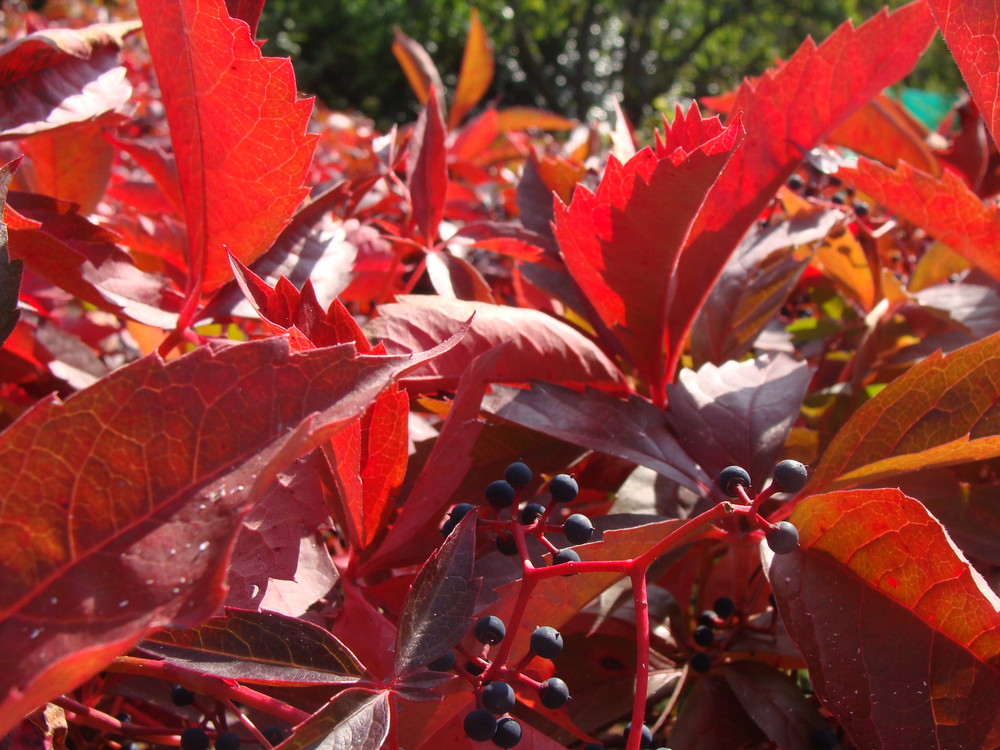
(929,107)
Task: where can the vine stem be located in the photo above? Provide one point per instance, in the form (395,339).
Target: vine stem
(638,577)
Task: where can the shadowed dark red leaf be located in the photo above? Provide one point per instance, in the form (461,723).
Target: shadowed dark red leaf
(140,482)
(236,128)
(427,170)
(10,270)
(58,77)
(622,253)
(476,72)
(787,112)
(944,410)
(538,346)
(247,11)
(259,647)
(634,429)
(945,207)
(739,413)
(355,718)
(970,29)
(901,634)
(439,607)
(712,717)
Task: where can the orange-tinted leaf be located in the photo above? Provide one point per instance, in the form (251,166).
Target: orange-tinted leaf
(238,132)
(417,65)
(970,29)
(58,77)
(622,253)
(882,130)
(524,118)
(476,73)
(538,346)
(944,206)
(787,112)
(901,634)
(427,169)
(354,718)
(254,647)
(843,260)
(944,410)
(73,164)
(114,486)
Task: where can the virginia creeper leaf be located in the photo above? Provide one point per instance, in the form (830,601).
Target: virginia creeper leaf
(10,270)
(623,255)
(355,718)
(945,207)
(970,29)
(901,634)
(140,482)
(417,65)
(441,601)
(237,131)
(739,413)
(882,130)
(786,112)
(247,11)
(57,77)
(843,260)
(634,429)
(476,72)
(944,410)
(712,717)
(538,346)
(259,647)
(427,169)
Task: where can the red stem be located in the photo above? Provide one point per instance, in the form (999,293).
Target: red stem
(638,576)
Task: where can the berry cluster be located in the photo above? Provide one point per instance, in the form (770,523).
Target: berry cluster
(788,476)
(495,693)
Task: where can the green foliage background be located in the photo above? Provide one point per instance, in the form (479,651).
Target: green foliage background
(567,56)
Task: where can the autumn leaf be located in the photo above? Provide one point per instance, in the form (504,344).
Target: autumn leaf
(970,29)
(10,270)
(417,65)
(476,72)
(884,131)
(942,411)
(238,133)
(58,77)
(944,206)
(354,718)
(427,170)
(900,633)
(146,476)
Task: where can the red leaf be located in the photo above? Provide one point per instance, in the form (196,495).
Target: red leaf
(254,647)
(712,717)
(73,164)
(739,413)
(788,111)
(942,411)
(10,270)
(247,11)
(427,170)
(944,206)
(58,77)
(354,718)
(901,634)
(417,65)
(970,29)
(623,254)
(476,72)
(538,347)
(883,130)
(238,133)
(148,502)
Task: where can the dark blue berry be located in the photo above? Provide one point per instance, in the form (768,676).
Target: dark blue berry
(474,668)
(227,741)
(704,636)
(448,526)
(794,182)
(708,617)
(731,477)
(724,607)
(461,510)
(783,538)
(500,494)
(565,556)
(480,725)
(647,735)
(531,513)
(563,488)
(554,693)
(508,733)
(861,209)
(274,735)
(443,663)
(546,642)
(517,474)
(490,630)
(506,544)
(701,662)
(498,698)
(578,529)
(181,696)
(790,476)
(194,738)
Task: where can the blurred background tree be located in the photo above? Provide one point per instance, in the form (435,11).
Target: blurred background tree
(566,56)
